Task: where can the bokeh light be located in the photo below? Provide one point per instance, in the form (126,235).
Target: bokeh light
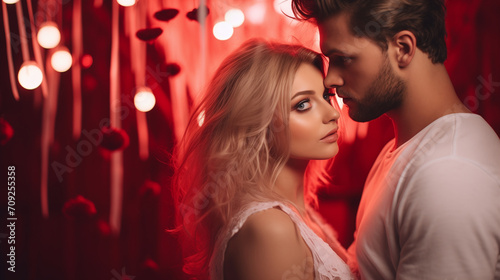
(283,7)
(10,1)
(87,61)
(223,30)
(235,17)
(48,35)
(126,3)
(30,76)
(144,99)
(256,13)
(61,60)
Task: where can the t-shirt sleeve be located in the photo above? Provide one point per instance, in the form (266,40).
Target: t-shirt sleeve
(449,222)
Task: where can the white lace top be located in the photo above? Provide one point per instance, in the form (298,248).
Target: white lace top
(327,264)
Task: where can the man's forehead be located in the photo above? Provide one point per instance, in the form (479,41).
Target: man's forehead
(333,32)
(336,37)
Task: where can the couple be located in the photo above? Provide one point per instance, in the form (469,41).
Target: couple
(431,204)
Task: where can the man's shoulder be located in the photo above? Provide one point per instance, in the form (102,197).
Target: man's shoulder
(461,137)
(461,153)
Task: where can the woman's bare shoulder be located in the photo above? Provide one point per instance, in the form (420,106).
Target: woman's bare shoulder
(268,239)
(269,223)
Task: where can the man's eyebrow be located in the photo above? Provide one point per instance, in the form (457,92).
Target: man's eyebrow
(304,92)
(330,52)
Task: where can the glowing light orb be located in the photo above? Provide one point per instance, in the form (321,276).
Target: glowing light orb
(126,3)
(48,35)
(235,17)
(223,30)
(256,13)
(283,7)
(87,61)
(30,76)
(10,1)
(61,60)
(144,99)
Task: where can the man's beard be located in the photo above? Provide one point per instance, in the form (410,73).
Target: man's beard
(384,94)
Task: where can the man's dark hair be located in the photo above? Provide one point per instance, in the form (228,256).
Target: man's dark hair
(380,20)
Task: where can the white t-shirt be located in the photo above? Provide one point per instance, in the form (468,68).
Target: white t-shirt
(431,208)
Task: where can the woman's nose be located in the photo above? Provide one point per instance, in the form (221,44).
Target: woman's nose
(330,114)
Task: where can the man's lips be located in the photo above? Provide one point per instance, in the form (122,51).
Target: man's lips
(342,95)
(345,99)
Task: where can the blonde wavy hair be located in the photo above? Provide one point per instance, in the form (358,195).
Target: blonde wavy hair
(235,144)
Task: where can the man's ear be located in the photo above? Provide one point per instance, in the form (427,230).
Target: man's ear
(405,45)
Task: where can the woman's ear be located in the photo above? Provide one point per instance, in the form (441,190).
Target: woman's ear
(405,44)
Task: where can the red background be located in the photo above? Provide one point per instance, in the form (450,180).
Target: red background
(60,248)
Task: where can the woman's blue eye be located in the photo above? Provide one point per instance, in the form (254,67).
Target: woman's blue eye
(303,105)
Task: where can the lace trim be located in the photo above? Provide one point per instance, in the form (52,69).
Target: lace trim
(327,264)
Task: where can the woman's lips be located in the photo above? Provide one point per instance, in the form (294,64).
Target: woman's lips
(331,137)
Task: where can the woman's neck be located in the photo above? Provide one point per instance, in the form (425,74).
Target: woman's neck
(290,182)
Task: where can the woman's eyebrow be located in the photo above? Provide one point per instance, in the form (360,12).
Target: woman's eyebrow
(304,92)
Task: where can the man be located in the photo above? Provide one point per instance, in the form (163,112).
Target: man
(431,204)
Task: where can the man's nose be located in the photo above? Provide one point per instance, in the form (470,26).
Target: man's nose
(333,78)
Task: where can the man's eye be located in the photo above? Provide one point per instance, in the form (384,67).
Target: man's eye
(341,60)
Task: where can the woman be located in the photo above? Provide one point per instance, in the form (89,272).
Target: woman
(240,169)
